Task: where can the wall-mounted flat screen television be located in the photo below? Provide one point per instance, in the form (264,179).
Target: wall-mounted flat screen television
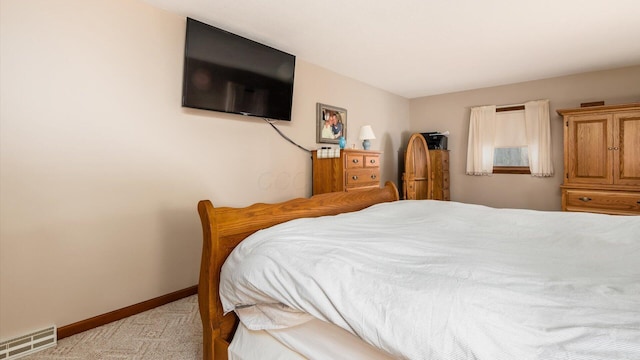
(228,73)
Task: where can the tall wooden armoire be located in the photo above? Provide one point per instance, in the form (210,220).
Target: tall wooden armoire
(417,181)
(602,159)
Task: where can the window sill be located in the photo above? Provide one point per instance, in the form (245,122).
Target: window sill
(511,170)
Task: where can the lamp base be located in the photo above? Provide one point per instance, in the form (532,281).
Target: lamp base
(366,144)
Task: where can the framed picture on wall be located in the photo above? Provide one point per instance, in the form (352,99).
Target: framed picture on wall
(331,123)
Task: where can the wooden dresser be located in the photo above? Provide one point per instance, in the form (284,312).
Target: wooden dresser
(353,170)
(440,171)
(602,159)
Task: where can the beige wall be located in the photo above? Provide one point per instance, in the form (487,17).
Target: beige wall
(101,168)
(451,112)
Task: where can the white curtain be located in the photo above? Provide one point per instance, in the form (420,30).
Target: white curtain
(480,147)
(538,130)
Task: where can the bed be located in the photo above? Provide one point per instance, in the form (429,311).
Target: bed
(418,279)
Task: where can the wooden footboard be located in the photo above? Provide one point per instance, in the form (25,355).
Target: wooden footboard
(223,228)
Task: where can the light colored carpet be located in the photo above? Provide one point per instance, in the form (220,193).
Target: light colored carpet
(172,331)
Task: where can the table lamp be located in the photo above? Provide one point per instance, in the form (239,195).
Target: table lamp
(366,134)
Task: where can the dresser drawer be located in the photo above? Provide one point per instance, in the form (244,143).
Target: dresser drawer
(446,195)
(445,159)
(371,161)
(354,161)
(362,177)
(610,202)
(445,180)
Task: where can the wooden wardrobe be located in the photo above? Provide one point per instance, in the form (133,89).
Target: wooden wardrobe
(602,159)
(426,172)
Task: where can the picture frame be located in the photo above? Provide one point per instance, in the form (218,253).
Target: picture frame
(331,123)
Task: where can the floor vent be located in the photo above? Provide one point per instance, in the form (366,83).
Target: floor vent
(28,344)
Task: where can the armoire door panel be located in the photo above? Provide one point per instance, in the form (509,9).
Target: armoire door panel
(591,153)
(627,151)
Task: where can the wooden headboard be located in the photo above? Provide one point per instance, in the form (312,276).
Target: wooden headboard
(223,228)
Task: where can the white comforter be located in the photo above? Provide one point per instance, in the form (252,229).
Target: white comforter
(443,280)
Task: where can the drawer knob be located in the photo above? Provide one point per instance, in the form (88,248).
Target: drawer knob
(355,161)
(610,148)
(584,198)
(373,161)
(355,177)
(373,176)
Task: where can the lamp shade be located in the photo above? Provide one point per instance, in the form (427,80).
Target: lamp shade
(366,133)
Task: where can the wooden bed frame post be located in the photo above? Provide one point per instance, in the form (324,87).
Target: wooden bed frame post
(206,296)
(223,228)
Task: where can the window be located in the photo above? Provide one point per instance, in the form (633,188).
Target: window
(514,139)
(511,153)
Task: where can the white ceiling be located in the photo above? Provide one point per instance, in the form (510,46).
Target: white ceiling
(415,48)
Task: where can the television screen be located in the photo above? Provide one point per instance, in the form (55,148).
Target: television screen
(228,73)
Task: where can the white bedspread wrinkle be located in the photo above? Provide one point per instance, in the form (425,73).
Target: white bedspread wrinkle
(427,279)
